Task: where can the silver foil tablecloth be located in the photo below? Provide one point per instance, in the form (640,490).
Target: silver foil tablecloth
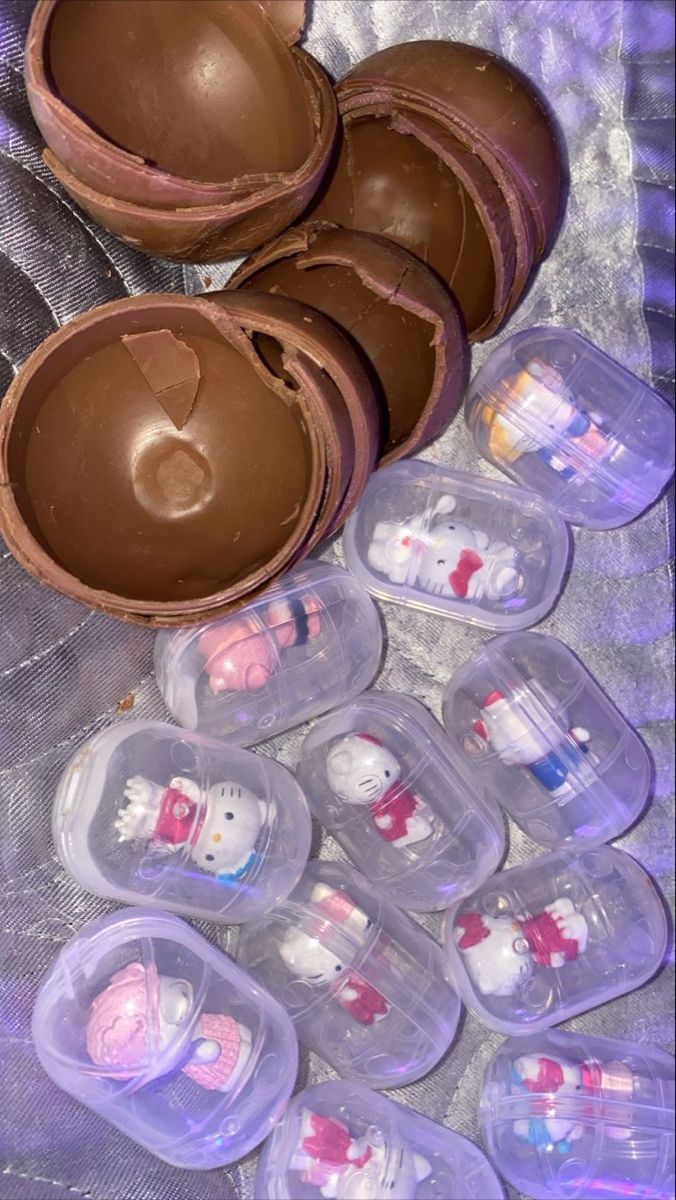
(607,70)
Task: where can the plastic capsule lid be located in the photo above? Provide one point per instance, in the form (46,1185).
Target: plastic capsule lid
(535,384)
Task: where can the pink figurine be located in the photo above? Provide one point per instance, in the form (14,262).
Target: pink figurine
(557,1081)
(220,835)
(342,1167)
(240,655)
(135,1019)
(500,951)
(308,958)
(361,770)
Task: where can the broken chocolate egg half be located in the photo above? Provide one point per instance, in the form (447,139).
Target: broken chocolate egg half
(154,466)
(399,315)
(192,130)
(448,150)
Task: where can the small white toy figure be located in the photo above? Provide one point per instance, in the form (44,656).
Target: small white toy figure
(444,557)
(220,839)
(500,952)
(522,734)
(545,415)
(557,1126)
(139,1014)
(360,770)
(346,1168)
(308,958)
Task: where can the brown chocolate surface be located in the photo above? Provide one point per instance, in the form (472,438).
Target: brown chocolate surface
(397,312)
(204,89)
(491,105)
(130,503)
(389,183)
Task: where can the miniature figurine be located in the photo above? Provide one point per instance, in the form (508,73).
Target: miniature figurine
(240,655)
(522,732)
(500,952)
(446,558)
(134,1020)
(545,407)
(557,1126)
(344,1168)
(220,836)
(360,770)
(308,958)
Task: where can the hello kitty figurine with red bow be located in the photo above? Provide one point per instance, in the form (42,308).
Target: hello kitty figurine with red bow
(341,1166)
(361,771)
(444,556)
(500,952)
(563,1085)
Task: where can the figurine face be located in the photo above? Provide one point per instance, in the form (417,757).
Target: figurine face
(136,1017)
(442,556)
(360,771)
(308,959)
(498,962)
(239,657)
(232,823)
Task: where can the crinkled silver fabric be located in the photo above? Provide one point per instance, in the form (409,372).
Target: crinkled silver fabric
(606,68)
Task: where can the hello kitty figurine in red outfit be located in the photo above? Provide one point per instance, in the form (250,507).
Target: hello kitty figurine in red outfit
(499,952)
(361,771)
(342,1167)
(220,835)
(308,957)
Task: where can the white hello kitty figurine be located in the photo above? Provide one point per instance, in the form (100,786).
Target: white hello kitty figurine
(361,771)
(500,952)
(444,557)
(522,734)
(345,1168)
(559,1124)
(220,837)
(308,958)
(140,1013)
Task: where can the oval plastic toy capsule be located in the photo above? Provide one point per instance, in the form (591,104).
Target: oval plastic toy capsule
(144,1022)
(339,1140)
(568,1115)
(310,643)
(461,545)
(540,737)
(378,776)
(559,416)
(362,983)
(148,813)
(540,943)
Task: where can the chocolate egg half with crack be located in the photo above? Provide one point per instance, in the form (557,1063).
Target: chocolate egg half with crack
(153,465)
(399,315)
(449,150)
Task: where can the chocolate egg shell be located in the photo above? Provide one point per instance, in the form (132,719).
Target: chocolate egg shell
(400,315)
(449,151)
(495,110)
(264,121)
(153,467)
